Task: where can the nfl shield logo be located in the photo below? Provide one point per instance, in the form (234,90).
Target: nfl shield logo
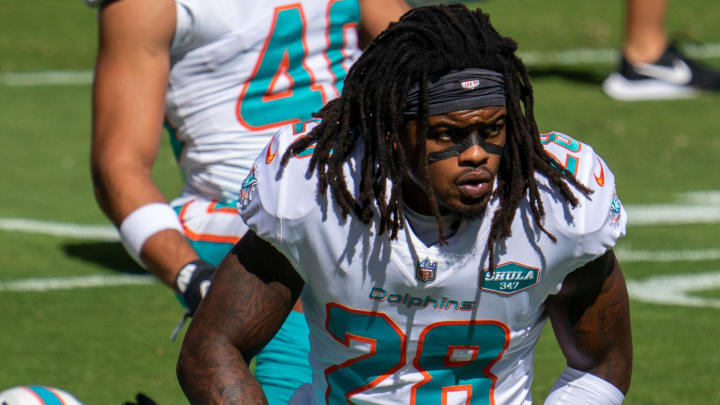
(426,270)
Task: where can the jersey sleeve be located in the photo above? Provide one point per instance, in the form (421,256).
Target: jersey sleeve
(274,201)
(199,23)
(182,40)
(599,220)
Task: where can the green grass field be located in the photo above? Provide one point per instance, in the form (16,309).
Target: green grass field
(105,344)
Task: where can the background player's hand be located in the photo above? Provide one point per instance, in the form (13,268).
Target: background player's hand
(193,282)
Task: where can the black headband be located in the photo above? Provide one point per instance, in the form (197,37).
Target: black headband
(466,89)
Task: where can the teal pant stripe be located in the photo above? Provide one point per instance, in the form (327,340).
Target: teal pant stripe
(283,365)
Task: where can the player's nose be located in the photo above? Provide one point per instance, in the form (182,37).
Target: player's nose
(474,155)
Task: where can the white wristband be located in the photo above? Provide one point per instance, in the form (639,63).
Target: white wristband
(145,222)
(578,387)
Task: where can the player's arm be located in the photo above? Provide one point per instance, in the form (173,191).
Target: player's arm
(376,15)
(253,292)
(131,77)
(591,320)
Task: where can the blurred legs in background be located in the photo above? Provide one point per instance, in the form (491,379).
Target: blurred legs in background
(651,68)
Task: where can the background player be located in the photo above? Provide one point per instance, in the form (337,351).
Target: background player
(435,130)
(650,67)
(224,74)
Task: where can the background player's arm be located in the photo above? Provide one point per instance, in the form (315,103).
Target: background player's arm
(131,77)
(376,15)
(252,293)
(591,320)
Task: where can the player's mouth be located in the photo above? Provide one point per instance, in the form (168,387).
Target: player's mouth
(474,185)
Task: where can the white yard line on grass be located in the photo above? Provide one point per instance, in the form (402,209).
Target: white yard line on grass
(694,255)
(57,77)
(594,56)
(570,57)
(672,214)
(695,207)
(645,215)
(698,207)
(675,289)
(667,290)
(68,283)
(75,231)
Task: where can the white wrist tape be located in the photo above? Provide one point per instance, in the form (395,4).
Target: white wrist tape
(145,222)
(578,387)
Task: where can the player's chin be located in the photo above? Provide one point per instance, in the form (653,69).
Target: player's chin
(468,208)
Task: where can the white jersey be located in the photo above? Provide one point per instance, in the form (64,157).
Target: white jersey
(398,322)
(242,68)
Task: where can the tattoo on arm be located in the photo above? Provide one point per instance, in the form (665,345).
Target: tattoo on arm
(591,321)
(252,293)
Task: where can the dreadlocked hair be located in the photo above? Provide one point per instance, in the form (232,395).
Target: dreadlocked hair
(426,43)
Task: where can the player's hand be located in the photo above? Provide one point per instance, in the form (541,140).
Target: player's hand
(141,399)
(193,282)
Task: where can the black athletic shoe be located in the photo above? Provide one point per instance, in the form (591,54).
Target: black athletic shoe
(672,76)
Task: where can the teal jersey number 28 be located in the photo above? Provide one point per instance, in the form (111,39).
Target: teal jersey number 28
(568,146)
(454,357)
(282,88)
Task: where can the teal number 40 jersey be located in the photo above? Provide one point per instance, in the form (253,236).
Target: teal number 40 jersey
(242,68)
